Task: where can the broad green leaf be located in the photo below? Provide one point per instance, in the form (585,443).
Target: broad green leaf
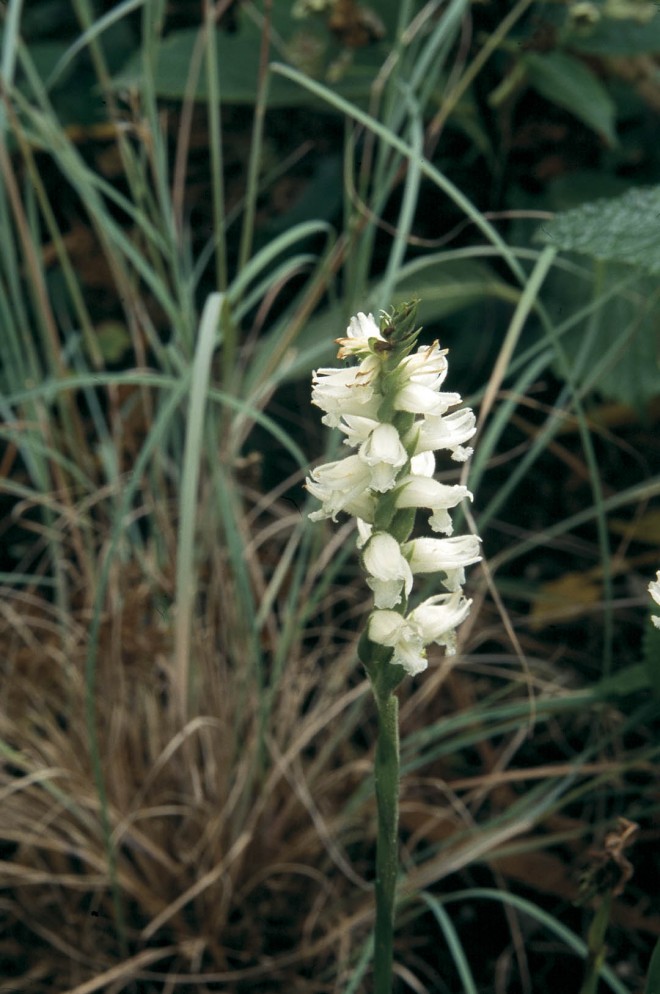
(620,238)
(619,353)
(238,68)
(622,229)
(565,81)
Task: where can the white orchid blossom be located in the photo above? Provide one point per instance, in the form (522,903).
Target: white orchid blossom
(356,428)
(388,571)
(385,454)
(361,332)
(445,432)
(435,620)
(447,555)
(380,447)
(427,367)
(420,491)
(337,485)
(654,590)
(393,414)
(346,391)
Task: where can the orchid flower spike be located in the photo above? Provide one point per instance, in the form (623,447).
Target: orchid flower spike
(391,408)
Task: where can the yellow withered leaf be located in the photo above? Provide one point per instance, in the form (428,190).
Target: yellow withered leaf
(645,528)
(563,599)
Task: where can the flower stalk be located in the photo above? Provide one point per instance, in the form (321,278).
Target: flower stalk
(387,799)
(392,410)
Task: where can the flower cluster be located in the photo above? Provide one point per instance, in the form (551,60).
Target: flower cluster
(391,409)
(654,590)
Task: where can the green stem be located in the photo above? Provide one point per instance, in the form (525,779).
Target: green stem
(387,798)
(596,946)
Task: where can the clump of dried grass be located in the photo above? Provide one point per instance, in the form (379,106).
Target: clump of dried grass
(228,830)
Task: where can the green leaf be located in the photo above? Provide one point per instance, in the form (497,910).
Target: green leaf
(238,67)
(653,976)
(565,81)
(630,680)
(616,348)
(622,36)
(622,229)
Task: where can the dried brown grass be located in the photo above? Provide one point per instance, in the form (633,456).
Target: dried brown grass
(228,842)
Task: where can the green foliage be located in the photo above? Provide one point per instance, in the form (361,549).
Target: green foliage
(618,348)
(653,976)
(620,229)
(564,80)
(611,27)
(304,44)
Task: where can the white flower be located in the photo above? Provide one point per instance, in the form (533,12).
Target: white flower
(338,485)
(654,590)
(346,391)
(379,447)
(435,620)
(447,431)
(418,399)
(419,377)
(361,331)
(393,630)
(426,367)
(365,531)
(388,571)
(446,555)
(423,464)
(356,428)
(385,454)
(420,491)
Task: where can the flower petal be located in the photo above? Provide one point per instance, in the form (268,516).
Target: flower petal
(362,330)
(443,555)
(386,627)
(356,428)
(385,454)
(447,431)
(420,491)
(346,391)
(654,590)
(389,572)
(337,485)
(391,629)
(439,616)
